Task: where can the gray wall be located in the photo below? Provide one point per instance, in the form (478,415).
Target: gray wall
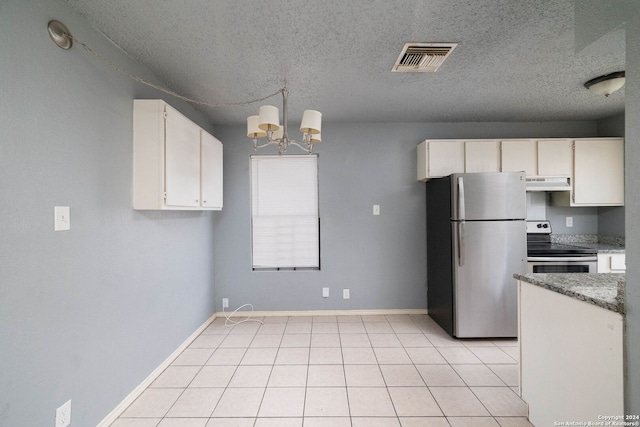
(381,259)
(88,313)
(632,198)
(585,220)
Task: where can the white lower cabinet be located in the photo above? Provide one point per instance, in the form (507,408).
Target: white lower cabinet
(571,358)
(611,263)
(176,164)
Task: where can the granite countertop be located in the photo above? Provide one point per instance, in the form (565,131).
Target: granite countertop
(602,244)
(602,248)
(605,290)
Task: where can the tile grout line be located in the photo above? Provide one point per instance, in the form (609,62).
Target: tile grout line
(396,335)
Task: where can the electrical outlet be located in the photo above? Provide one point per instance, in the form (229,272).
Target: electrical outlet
(325,292)
(63,415)
(569,221)
(225,302)
(376,209)
(345,294)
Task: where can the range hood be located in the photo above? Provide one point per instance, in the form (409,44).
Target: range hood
(548,183)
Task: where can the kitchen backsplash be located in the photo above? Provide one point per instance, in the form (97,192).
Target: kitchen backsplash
(590,224)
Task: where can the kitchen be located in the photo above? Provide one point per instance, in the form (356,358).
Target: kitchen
(471,293)
(111,299)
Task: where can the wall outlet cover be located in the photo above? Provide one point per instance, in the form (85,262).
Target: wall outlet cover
(325,292)
(63,415)
(346,294)
(225,302)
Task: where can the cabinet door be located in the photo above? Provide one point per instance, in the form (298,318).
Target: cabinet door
(598,178)
(481,156)
(520,155)
(445,157)
(555,157)
(211,172)
(182,160)
(611,263)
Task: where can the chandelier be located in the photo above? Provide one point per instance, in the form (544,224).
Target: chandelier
(267,124)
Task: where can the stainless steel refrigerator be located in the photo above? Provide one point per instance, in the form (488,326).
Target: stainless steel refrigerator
(476,241)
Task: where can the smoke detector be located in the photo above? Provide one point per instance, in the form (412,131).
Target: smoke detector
(422,57)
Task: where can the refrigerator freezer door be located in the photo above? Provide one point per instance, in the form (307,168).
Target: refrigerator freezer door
(488,196)
(485,294)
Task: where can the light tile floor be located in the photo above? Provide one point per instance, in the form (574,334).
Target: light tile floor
(334,371)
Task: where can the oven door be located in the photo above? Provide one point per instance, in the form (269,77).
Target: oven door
(562,264)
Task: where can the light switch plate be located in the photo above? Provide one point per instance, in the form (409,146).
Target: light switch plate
(62,218)
(376,209)
(325,292)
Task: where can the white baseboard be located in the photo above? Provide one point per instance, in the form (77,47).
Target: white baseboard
(118,410)
(323,312)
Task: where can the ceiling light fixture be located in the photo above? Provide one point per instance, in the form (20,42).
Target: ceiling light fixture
(606,85)
(267,124)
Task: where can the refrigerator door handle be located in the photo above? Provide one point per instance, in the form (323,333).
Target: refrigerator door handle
(461,244)
(461,214)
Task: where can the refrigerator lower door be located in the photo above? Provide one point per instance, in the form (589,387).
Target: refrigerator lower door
(486,255)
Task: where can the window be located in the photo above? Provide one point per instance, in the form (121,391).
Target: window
(285,226)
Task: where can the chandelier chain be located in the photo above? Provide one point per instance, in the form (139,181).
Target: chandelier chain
(162,89)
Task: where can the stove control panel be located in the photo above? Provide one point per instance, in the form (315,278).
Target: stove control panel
(538,227)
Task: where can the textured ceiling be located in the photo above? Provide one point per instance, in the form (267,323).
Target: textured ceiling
(517,60)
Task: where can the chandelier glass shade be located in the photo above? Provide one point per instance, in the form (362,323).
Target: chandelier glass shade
(267,125)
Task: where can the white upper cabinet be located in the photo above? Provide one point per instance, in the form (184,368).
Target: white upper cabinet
(520,155)
(594,166)
(182,160)
(176,164)
(555,157)
(538,157)
(211,172)
(437,158)
(482,155)
(598,176)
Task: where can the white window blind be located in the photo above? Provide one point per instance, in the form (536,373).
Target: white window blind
(284,212)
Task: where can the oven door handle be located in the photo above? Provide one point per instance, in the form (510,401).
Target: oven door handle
(562,259)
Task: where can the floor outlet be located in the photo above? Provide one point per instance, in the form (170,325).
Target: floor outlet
(225,302)
(325,292)
(63,415)
(345,294)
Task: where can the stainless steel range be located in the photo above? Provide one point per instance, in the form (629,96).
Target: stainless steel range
(543,256)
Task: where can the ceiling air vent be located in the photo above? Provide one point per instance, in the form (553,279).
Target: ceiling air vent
(423,57)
